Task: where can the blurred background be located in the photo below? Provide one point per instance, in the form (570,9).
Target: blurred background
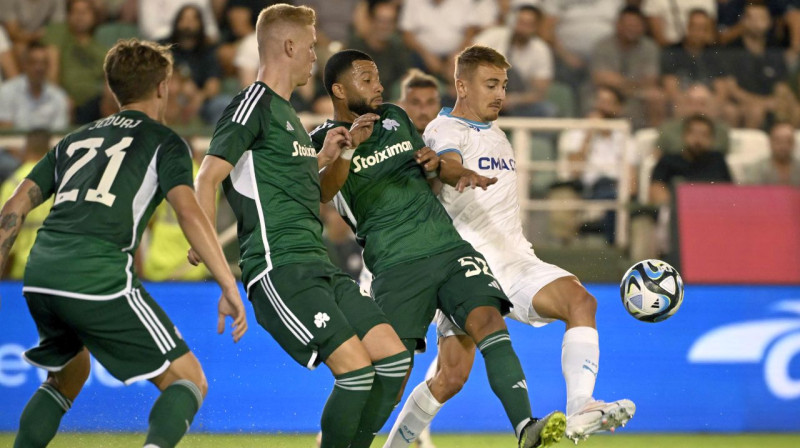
(642,129)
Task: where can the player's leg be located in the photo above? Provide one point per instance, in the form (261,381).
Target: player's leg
(567,300)
(61,352)
(454,363)
(183,388)
(388,355)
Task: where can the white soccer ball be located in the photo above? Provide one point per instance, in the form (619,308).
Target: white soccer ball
(652,290)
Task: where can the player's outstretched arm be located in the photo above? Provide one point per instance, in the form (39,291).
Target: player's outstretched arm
(203,238)
(337,151)
(453,173)
(25,198)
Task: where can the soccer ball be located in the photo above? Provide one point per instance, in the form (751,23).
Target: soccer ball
(651,291)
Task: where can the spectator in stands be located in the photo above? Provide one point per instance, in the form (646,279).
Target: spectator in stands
(698,162)
(694,60)
(436,30)
(783,165)
(156,17)
(29,101)
(784,33)
(573,29)
(238,20)
(760,70)
(196,61)
(605,154)
(382,41)
(334,23)
(697,100)
(420,98)
(37,144)
(669,19)
(25,20)
(76,59)
(531,63)
(629,61)
(8,62)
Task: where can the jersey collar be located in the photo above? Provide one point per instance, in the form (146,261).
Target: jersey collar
(447,111)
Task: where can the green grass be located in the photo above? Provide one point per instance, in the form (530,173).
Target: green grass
(113,440)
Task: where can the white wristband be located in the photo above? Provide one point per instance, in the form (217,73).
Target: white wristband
(432,174)
(347,153)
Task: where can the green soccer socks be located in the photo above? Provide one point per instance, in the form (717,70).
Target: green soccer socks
(172,414)
(344,408)
(41,417)
(506,377)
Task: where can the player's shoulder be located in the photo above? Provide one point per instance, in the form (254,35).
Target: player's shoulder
(318,133)
(444,123)
(387,109)
(248,102)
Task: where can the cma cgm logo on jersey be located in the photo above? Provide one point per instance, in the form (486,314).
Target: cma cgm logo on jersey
(775,342)
(497,163)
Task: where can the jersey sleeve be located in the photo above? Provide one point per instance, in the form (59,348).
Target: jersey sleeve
(44,174)
(445,137)
(174,165)
(237,129)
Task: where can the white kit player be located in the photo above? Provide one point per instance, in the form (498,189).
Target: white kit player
(466,138)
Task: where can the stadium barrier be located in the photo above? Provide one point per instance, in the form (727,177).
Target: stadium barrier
(728,361)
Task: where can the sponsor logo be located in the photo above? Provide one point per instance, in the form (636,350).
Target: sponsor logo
(407,434)
(321,320)
(775,341)
(380,156)
(495,163)
(521,385)
(303,151)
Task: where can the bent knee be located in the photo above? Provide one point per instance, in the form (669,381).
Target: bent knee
(452,381)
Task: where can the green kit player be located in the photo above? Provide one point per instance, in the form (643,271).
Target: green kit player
(270,172)
(79,284)
(419,261)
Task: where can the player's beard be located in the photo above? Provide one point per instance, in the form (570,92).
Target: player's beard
(360,106)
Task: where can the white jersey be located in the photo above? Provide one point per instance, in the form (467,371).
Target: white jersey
(489,220)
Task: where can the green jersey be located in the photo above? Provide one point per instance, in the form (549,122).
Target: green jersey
(274,186)
(386,198)
(107,178)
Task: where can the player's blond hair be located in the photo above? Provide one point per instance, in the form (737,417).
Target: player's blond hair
(282,14)
(134,68)
(471,57)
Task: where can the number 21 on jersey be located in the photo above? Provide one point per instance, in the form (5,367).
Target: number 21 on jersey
(102,192)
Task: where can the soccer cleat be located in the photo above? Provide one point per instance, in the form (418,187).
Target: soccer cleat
(599,416)
(543,432)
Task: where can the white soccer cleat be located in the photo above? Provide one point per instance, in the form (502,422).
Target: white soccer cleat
(596,416)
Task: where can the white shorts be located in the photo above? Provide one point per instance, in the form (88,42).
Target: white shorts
(528,276)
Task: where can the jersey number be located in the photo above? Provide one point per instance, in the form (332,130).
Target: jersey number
(477,266)
(101,193)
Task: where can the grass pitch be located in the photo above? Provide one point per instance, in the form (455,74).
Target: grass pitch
(114,440)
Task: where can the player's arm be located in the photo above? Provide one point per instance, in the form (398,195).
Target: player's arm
(26,197)
(212,172)
(203,238)
(453,173)
(339,146)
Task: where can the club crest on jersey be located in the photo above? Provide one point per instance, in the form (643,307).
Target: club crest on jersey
(390,125)
(379,156)
(497,163)
(303,151)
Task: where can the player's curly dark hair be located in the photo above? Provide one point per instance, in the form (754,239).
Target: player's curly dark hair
(340,63)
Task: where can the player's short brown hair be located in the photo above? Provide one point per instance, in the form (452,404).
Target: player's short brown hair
(134,68)
(472,57)
(416,78)
(283,13)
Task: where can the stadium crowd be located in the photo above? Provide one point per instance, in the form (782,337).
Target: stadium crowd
(694,71)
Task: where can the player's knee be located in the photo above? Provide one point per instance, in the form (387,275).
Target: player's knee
(584,305)
(201,383)
(484,320)
(454,381)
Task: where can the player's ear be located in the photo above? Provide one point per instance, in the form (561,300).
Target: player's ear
(338,91)
(162,89)
(288,47)
(461,88)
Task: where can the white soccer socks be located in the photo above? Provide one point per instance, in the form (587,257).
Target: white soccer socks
(417,413)
(580,355)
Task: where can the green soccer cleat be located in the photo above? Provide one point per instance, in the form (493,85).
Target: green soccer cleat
(543,432)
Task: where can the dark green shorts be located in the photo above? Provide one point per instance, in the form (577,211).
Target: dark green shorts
(310,309)
(131,335)
(456,281)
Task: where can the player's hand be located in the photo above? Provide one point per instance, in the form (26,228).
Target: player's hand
(362,128)
(193,257)
(335,140)
(472,179)
(428,159)
(230,304)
